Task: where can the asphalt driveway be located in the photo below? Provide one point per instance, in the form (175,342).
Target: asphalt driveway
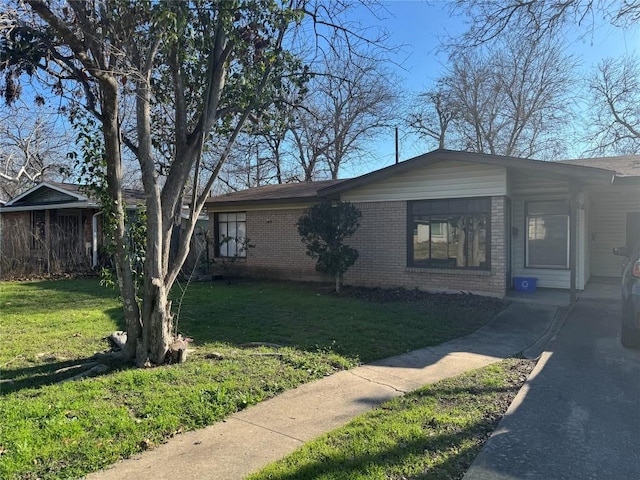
(578,416)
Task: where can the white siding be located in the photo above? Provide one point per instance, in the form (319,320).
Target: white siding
(538,187)
(531,189)
(440,180)
(609,208)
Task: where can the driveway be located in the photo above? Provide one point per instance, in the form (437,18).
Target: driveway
(578,416)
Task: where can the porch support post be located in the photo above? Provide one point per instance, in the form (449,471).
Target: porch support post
(574,189)
(47,240)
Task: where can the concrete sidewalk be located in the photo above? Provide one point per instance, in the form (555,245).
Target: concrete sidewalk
(259,435)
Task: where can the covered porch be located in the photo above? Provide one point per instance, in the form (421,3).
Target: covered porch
(604,289)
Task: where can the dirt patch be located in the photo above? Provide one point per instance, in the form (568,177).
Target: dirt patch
(389,295)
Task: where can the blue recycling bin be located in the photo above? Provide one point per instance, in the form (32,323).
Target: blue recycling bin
(525,284)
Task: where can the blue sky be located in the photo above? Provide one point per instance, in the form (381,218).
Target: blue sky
(419,25)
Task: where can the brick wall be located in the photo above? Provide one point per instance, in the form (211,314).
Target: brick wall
(381,242)
(278,252)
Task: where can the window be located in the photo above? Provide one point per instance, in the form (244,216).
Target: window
(547,234)
(230,234)
(449,233)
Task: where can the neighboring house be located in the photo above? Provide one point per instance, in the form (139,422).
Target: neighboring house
(450,221)
(53,227)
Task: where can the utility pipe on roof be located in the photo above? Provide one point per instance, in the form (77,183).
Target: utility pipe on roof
(94,239)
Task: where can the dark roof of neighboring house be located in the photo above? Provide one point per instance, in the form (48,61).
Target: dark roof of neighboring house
(63,195)
(279,193)
(623,165)
(131,196)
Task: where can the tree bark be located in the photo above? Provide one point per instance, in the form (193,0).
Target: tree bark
(113,153)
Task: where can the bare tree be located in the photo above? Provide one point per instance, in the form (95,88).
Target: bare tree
(355,101)
(511,97)
(433,114)
(615,116)
(490,19)
(310,141)
(614,82)
(264,154)
(328,123)
(32,150)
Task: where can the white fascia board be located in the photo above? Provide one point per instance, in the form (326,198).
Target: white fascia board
(50,206)
(78,196)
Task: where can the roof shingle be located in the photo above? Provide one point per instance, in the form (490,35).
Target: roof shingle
(275,193)
(623,165)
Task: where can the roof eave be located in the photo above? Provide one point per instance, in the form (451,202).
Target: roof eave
(626,180)
(76,195)
(49,206)
(553,168)
(258,202)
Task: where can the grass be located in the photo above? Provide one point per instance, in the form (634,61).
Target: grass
(432,433)
(65,430)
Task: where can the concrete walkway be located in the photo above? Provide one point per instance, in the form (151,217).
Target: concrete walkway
(578,415)
(259,435)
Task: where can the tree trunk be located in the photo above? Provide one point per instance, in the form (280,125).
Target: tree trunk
(157,320)
(157,329)
(113,153)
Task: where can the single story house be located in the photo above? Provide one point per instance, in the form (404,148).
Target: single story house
(57,227)
(53,227)
(449,221)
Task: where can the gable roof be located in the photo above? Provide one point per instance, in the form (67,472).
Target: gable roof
(603,170)
(49,193)
(274,194)
(557,169)
(63,195)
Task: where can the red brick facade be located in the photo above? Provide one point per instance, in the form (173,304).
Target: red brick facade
(381,242)
(277,250)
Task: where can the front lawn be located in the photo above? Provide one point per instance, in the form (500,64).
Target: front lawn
(61,430)
(433,433)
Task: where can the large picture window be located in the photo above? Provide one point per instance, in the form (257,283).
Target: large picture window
(453,233)
(231,229)
(547,234)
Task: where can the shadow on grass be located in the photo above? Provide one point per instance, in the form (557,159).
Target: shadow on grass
(312,318)
(342,465)
(84,285)
(46,374)
(55,371)
(442,394)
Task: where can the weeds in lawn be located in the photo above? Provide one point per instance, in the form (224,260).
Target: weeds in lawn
(432,433)
(62,430)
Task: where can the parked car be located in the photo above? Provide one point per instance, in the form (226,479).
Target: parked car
(630,334)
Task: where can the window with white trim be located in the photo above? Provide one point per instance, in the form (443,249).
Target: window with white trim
(547,241)
(230,231)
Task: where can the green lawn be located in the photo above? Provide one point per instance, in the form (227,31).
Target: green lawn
(433,433)
(62,430)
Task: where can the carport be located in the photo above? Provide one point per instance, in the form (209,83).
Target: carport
(565,224)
